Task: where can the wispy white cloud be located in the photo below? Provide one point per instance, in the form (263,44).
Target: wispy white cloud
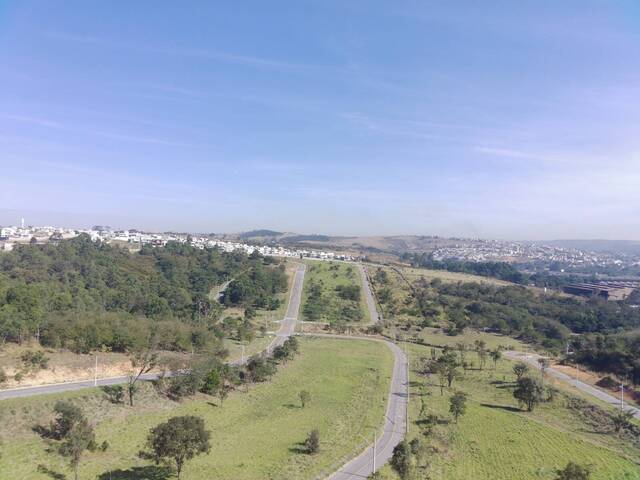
(42,122)
(247,60)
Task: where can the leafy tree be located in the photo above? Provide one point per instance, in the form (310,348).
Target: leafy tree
(305,397)
(458,405)
(481,351)
(179,439)
(115,393)
(495,356)
(573,471)
(621,419)
(81,437)
(68,416)
(212,382)
(520,369)
(402,459)
(3,376)
(312,443)
(529,392)
(143,360)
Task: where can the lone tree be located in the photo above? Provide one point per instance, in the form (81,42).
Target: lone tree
(67,417)
(179,439)
(621,419)
(402,459)
(312,443)
(75,432)
(143,360)
(529,391)
(80,438)
(495,356)
(305,397)
(458,405)
(520,369)
(543,363)
(481,351)
(573,471)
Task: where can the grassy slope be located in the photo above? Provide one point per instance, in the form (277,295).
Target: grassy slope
(496,441)
(254,434)
(319,271)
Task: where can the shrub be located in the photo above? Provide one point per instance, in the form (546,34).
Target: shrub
(312,443)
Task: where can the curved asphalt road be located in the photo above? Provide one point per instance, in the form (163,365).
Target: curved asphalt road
(287,328)
(395,422)
(532,359)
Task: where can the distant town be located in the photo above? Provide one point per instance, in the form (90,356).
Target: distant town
(11,236)
(530,252)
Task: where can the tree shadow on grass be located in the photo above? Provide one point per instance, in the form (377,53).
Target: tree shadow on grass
(151,472)
(300,447)
(508,408)
(51,473)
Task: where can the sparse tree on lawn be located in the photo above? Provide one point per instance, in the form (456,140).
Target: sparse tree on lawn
(458,405)
(80,438)
(529,392)
(142,361)
(305,397)
(313,441)
(621,419)
(179,439)
(402,459)
(67,417)
(544,364)
(573,471)
(462,352)
(481,351)
(520,369)
(495,356)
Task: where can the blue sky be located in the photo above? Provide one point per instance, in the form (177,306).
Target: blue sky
(494,119)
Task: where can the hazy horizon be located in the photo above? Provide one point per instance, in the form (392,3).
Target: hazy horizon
(504,120)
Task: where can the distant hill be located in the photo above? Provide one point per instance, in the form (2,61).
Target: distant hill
(259,233)
(628,247)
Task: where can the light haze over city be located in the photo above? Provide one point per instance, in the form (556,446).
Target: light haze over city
(510,120)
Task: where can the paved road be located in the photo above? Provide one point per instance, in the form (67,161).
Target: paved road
(288,324)
(394,424)
(532,359)
(287,327)
(368,295)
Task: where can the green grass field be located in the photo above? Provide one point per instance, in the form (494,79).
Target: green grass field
(255,434)
(331,275)
(495,440)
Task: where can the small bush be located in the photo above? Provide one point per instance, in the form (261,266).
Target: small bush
(312,443)
(115,393)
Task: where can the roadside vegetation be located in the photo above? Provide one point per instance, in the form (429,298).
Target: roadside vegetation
(333,294)
(608,339)
(90,298)
(479,425)
(346,384)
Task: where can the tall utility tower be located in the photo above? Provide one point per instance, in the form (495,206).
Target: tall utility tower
(22,222)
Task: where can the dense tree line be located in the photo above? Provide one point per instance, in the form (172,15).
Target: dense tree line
(547,320)
(617,354)
(84,295)
(500,270)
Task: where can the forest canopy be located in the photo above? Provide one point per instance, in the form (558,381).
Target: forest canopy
(83,295)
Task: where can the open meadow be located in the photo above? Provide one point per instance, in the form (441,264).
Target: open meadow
(496,439)
(254,434)
(333,293)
